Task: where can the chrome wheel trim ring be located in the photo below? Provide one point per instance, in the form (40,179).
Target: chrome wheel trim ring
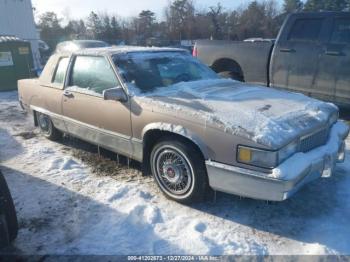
(175,178)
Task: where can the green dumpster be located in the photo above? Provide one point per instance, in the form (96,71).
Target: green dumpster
(16,62)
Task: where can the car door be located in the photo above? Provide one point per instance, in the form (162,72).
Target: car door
(296,55)
(334,74)
(90,117)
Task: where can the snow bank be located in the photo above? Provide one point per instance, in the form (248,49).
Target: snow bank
(267,116)
(300,162)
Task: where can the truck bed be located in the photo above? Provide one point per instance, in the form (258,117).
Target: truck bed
(252,57)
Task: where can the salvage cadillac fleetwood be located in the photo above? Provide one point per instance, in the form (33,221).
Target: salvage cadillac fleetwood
(191,129)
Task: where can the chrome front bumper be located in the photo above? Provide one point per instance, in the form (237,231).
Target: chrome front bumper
(258,185)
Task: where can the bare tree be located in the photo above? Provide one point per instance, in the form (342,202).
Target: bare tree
(290,6)
(180,16)
(218,21)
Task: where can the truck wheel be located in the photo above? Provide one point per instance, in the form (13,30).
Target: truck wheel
(8,217)
(47,128)
(232,75)
(179,170)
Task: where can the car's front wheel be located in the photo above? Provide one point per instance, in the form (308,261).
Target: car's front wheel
(47,128)
(179,170)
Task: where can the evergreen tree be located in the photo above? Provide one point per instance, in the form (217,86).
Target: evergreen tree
(146,20)
(50,29)
(115,28)
(94,26)
(106,29)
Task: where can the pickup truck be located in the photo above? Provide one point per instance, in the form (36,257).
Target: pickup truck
(311,55)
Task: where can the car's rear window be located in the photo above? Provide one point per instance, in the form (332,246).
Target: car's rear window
(61,70)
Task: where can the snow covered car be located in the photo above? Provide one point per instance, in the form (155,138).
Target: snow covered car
(191,129)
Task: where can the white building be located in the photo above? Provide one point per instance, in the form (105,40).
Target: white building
(17,19)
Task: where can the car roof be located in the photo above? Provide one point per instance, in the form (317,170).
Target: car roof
(81,42)
(70,46)
(113,50)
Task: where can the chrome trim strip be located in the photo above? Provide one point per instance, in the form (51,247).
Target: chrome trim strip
(241,182)
(324,128)
(120,79)
(131,147)
(240,170)
(82,91)
(64,118)
(136,140)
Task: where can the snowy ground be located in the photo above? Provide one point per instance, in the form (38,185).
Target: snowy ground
(70,203)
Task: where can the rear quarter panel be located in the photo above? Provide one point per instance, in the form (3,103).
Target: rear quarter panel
(253,58)
(26,91)
(41,92)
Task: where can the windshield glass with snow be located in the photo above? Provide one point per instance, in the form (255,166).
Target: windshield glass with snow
(150,70)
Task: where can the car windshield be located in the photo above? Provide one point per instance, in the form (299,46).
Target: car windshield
(150,70)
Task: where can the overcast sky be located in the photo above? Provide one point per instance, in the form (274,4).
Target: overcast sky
(81,8)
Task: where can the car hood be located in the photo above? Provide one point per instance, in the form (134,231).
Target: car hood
(267,116)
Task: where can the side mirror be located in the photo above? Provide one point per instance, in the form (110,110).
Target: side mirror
(115,94)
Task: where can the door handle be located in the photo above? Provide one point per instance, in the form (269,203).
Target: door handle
(68,94)
(287,50)
(333,53)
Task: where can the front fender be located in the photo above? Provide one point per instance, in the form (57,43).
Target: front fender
(182,131)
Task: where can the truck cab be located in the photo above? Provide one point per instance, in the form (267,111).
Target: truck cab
(312,56)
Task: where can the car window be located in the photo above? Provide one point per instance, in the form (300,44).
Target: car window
(341,31)
(306,30)
(93,73)
(61,71)
(150,70)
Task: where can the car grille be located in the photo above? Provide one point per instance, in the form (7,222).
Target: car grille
(314,140)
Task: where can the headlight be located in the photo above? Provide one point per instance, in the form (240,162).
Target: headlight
(264,158)
(334,118)
(288,151)
(257,157)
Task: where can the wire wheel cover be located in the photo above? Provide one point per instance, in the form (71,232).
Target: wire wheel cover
(173,171)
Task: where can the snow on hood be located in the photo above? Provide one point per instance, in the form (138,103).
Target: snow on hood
(267,116)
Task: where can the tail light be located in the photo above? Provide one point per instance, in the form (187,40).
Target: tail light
(195,51)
